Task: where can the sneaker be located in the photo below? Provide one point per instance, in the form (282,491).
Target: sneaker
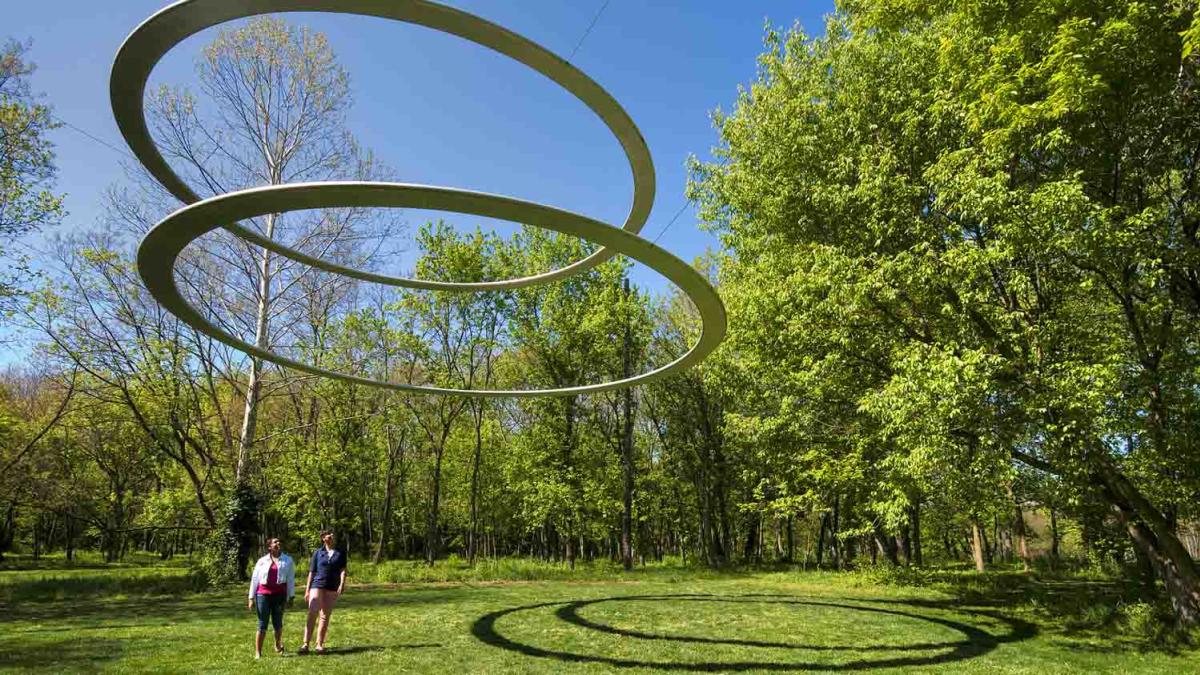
(303,649)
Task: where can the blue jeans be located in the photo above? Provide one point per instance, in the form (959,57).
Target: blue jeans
(270,607)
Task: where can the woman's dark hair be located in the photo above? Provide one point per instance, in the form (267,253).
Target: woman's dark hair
(325,532)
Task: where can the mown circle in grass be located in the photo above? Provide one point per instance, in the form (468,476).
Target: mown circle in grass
(976,641)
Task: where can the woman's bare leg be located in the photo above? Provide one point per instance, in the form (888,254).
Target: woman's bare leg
(314,606)
(258,640)
(327,600)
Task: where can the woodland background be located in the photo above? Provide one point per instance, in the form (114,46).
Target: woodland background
(960,256)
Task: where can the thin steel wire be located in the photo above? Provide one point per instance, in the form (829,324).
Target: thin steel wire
(588,32)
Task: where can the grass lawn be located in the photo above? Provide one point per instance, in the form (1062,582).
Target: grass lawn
(146,619)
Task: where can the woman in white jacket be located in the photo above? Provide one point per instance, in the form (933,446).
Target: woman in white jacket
(272,583)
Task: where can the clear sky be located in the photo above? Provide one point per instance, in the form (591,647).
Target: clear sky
(442,111)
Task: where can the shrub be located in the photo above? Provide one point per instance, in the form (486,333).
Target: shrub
(223,556)
(1146,621)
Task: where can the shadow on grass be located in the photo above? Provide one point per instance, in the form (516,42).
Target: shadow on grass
(1077,607)
(155,605)
(66,655)
(104,583)
(363,649)
(976,641)
(346,651)
(106,614)
(77,629)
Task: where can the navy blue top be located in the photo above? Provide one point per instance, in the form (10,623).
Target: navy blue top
(327,568)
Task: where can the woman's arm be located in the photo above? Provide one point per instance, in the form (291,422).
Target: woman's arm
(253,585)
(312,568)
(342,582)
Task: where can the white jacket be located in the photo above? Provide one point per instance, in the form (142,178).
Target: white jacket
(287,570)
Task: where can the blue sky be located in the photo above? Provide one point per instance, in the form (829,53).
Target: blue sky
(442,111)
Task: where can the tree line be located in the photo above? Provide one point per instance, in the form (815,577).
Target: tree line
(959,254)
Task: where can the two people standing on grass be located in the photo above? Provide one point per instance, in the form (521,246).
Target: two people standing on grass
(273,583)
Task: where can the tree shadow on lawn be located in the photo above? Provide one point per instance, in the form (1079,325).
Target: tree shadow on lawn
(976,641)
(95,612)
(26,563)
(1013,588)
(98,612)
(77,655)
(47,587)
(1076,607)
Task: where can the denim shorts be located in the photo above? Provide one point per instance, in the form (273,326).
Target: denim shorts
(270,607)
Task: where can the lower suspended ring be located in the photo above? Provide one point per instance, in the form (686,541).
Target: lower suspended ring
(162,245)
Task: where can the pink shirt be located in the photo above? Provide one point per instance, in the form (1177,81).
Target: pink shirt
(272,586)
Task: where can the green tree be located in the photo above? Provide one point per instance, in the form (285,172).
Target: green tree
(686,414)
(97,319)
(459,338)
(566,334)
(992,208)
(271,108)
(31,406)
(273,111)
(27,169)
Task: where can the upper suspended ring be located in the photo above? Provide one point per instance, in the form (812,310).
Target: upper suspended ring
(147,44)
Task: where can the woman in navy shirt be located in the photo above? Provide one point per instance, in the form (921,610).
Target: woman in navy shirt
(326,581)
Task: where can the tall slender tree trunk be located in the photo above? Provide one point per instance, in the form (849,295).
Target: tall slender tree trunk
(914,519)
(402,502)
(262,329)
(1019,530)
(1023,544)
(627,487)
(791,540)
(886,545)
(432,537)
(69,533)
(708,537)
(904,544)
(8,529)
(568,452)
(834,531)
(389,488)
(253,393)
(1054,538)
(476,460)
(627,444)
(750,547)
(717,469)
(977,545)
(821,539)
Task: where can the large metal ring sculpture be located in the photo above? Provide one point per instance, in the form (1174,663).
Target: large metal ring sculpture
(161,246)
